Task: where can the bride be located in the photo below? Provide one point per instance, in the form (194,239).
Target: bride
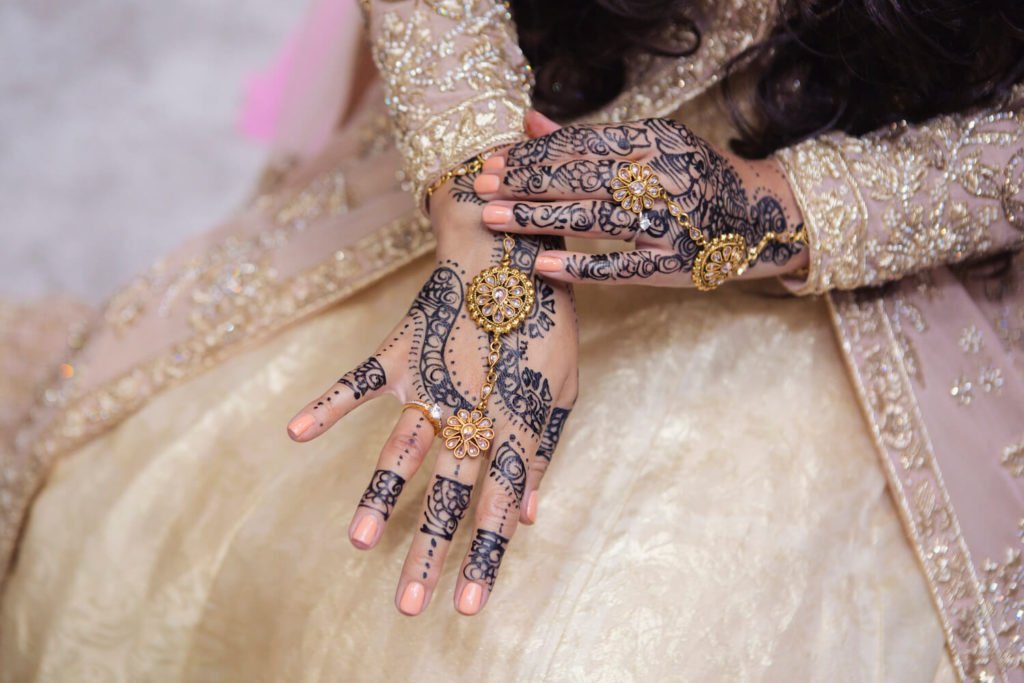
(736,484)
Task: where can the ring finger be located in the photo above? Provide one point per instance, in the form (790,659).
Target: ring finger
(586,218)
(446,502)
(399,460)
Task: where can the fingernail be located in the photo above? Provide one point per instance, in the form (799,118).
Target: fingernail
(495,163)
(486,184)
(365,531)
(469,601)
(497,215)
(531,507)
(300,425)
(412,598)
(548,264)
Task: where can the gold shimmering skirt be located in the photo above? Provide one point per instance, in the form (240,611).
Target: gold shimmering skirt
(715,512)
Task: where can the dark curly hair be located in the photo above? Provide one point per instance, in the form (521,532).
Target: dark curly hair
(851,65)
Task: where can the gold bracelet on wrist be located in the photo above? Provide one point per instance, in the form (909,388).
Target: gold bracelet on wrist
(471,167)
(725,256)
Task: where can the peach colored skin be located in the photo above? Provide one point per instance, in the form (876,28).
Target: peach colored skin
(497,216)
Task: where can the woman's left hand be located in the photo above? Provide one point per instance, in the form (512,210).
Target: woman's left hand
(559,183)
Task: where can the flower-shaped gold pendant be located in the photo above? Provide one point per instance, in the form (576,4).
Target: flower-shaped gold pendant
(468,434)
(635,187)
(500,298)
(724,257)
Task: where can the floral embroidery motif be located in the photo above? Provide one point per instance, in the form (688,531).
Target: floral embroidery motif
(1013,460)
(455,80)
(867,332)
(885,205)
(962,390)
(970,340)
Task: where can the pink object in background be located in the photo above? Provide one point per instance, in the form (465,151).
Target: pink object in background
(293,104)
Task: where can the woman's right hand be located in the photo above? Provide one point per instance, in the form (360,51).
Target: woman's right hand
(437,355)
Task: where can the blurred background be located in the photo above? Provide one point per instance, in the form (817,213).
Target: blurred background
(118,132)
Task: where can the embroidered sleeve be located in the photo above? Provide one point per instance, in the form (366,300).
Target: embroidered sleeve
(456,82)
(909,197)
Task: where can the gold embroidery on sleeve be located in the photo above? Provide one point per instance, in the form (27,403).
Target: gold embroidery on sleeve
(980,646)
(456,82)
(906,198)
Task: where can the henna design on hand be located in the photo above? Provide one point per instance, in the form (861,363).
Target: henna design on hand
(383,491)
(462,190)
(577,176)
(485,557)
(552,433)
(509,469)
(368,376)
(621,265)
(580,141)
(446,506)
(702,180)
(585,216)
(436,308)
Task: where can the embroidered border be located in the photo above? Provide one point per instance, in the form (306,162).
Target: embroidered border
(877,371)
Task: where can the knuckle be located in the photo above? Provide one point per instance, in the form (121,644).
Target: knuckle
(408,442)
(495,511)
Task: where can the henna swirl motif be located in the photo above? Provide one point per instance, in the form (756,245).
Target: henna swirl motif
(382,493)
(369,376)
(485,557)
(436,308)
(509,470)
(446,506)
(552,433)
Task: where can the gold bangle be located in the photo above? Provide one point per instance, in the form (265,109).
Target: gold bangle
(474,165)
(431,412)
(725,256)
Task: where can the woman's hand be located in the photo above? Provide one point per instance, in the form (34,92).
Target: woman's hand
(558,184)
(438,356)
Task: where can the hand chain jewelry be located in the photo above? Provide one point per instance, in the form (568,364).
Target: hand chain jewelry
(728,255)
(499,300)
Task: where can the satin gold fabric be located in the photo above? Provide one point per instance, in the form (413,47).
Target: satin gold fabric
(715,512)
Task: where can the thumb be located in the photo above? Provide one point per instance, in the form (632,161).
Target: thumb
(538,125)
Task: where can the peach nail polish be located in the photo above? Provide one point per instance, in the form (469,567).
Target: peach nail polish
(300,425)
(486,184)
(469,601)
(531,507)
(365,531)
(412,598)
(497,215)
(548,264)
(494,163)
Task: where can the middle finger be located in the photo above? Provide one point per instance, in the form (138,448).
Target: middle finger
(576,179)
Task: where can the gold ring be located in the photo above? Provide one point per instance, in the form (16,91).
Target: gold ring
(431,412)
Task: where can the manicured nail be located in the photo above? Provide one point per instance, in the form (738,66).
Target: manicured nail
(495,163)
(365,531)
(531,507)
(486,184)
(547,264)
(412,598)
(497,215)
(469,601)
(300,425)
